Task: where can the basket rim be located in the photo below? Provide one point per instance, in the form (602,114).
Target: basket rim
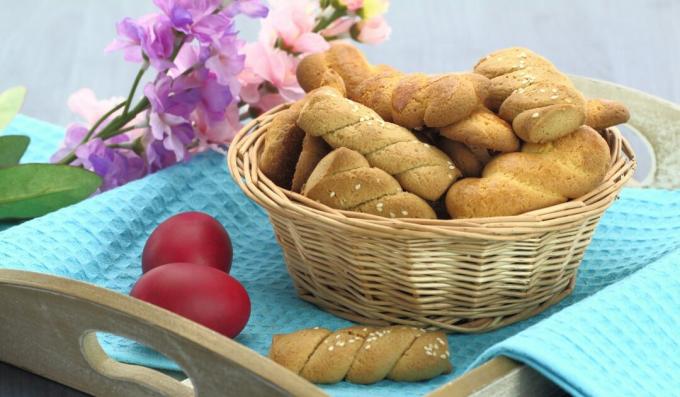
(242,158)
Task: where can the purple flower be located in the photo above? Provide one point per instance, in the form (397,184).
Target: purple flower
(130,34)
(172,102)
(74,135)
(151,35)
(158,43)
(175,96)
(175,132)
(116,166)
(251,8)
(158,157)
(227,61)
(185,13)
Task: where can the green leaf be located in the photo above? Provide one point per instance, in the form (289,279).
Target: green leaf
(31,190)
(12,147)
(10,103)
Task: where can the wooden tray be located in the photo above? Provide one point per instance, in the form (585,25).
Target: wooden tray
(48,324)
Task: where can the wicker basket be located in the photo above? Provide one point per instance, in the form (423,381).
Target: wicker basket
(457,275)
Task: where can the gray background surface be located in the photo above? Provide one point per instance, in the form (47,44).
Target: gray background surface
(56,47)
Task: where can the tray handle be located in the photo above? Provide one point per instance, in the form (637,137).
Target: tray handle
(655,119)
(48,326)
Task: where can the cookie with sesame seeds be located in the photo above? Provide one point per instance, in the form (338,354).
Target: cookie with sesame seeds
(508,60)
(504,85)
(344,180)
(420,168)
(364,355)
(483,129)
(545,124)
(293,350)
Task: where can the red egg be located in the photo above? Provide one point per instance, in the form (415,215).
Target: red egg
(192,237)
(200,293)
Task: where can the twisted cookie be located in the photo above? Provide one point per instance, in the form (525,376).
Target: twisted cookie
(344,180)
(363,355)
(539,176)
(410,100)
(529,92)
(420,168)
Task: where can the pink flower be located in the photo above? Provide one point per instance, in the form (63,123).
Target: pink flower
(373,31)
(267,64)
(352,5)
(293,22)
(222,131)
(338,27)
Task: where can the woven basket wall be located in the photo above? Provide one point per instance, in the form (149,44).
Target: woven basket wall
(457,275)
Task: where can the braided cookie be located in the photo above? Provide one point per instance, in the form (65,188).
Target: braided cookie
(410,100)
(420,168)
(285,155)
(363,355)
(539,176)
(529,92)
(344,180)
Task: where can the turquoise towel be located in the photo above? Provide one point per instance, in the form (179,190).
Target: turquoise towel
(100,241)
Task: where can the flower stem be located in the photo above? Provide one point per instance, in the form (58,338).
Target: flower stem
(101,120)
(140,73)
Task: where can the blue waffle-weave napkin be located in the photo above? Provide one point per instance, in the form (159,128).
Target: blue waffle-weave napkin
(100,241)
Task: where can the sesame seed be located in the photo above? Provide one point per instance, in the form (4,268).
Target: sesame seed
(426,145)
(352,340)
(554,90)
(443,357)
(450,176)
(330,348)
(542,90)
(451,167)
(392,215)
(535,115)
(364,329)
(367,347)
(568,100)
(554,97)
(403,212)
(332,194)
(315,328)
(337,336)
(357,186)
(521,91)
(369,123)
(440,340)
(341,344)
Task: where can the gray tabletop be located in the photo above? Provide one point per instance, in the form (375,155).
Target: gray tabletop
(55,48)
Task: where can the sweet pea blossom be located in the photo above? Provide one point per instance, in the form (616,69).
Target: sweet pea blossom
(373,31)
(115,166)
(172,102)
(293,22)
(251,8)
(338,27)
(151,35)
(273,66)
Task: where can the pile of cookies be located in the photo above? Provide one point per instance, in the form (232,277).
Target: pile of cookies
(512,136)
